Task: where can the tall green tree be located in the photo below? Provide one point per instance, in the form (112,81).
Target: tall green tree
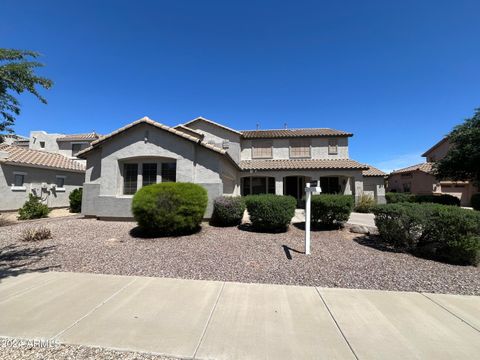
(17,75)
(462,161)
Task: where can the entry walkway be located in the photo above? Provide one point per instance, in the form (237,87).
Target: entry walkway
(355,218)
(223,320)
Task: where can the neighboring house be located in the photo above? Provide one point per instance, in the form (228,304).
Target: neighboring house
(223,160)
(49,176)
(13,139)
(419,179)
(67,145)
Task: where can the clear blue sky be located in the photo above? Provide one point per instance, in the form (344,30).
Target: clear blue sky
(398,74)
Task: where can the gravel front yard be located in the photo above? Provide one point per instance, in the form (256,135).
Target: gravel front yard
(339,258)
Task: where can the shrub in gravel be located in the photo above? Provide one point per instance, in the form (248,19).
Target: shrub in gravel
(475,201)
(393,197)
(75,198)
(270,213)
(36,234)
(33,209)
(435,231)
(169,208)
(328,210)
(365,204)
(227,211)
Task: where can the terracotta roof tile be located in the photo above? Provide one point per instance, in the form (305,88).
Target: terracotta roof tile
(426,167)
(301,164)
(288,133)
(373,171)
(75,137)
(36,158)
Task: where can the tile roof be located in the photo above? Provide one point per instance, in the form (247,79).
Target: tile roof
(146,120)
(75,137)
(213,123)
(36,158)
(189,131)
(288,133)
(426,167)
(301,164)
(373,171)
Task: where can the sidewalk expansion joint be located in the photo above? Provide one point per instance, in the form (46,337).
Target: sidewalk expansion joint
(208,322)
(451,312)
(336,323)
(95,308)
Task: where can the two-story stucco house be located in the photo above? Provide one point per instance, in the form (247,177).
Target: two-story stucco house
(223,160)
(420,179)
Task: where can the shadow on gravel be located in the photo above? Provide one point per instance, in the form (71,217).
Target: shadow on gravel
(373,241)
(317,227)
(288,251)
(140,233)
(249,227)
(16,260)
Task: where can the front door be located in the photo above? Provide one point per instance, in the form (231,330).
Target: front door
(295,186)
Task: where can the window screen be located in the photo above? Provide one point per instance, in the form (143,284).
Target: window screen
(130,173)
(300,148)
(60,182)
(149,174)
(262,149)
(19,180)
(169,172)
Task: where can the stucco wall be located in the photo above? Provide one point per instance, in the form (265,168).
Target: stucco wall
(144,143)
(375,187)
(217,135)
(281,148)
(14,199)
(420,182)
(50,140)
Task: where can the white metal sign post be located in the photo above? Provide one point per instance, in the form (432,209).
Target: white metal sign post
(309,189)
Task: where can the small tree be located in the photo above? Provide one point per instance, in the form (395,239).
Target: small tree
(17,76)
(462,161)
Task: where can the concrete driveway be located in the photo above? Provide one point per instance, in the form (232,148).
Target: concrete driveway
(224,320)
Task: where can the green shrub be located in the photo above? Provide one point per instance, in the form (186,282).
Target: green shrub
(169,208)
(75,198)
(475,201)
(269,212)
(394,197)
(227,211)
(365,204)
(329,209)
(33,209)
(435,231)
(443,199)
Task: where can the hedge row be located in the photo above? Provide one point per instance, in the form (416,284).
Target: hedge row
(444,199)
(435,231)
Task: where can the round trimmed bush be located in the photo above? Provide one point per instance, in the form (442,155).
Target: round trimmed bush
(475,201)
(75,198)
(228,211)
(270,213)
(331,209)
(33,209)
(170,208)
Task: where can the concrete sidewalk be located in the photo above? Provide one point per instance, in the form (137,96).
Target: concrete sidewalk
(223,320)
(355,218)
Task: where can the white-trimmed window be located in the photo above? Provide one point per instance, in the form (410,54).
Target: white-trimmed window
(138,174)
(19,181)
(262,149)
(60,182)
(300,148)
(332,146)
(78,146)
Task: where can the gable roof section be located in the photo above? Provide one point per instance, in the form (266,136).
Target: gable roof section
(212,123)
(189,131)
(146,120)
(289,133)
(16,155)
(79,137)
(302,164)
(425,167)
(425,154)
(373,171)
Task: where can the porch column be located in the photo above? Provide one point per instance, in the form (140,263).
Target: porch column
(348,186)
(358,181)
(278,185)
